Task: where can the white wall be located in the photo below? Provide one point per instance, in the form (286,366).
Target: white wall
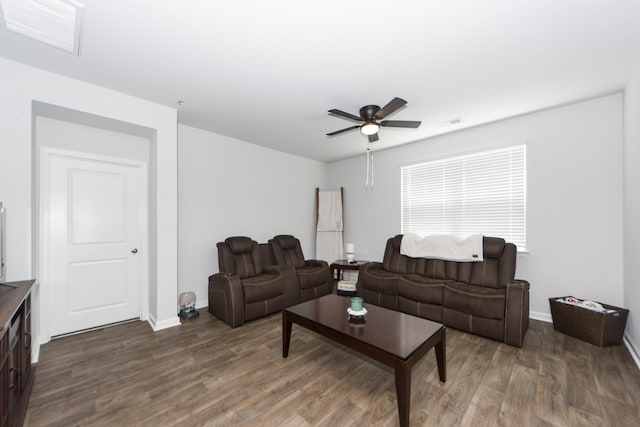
(632,211)
(22,87)
(75,137)
(228,187)
(574,203)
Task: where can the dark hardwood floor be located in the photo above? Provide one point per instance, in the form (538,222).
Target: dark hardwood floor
(205,373)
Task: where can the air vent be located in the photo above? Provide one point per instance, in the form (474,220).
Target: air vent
(54,22)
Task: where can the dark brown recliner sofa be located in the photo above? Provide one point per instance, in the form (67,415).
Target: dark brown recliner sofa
(314,276)
(246,288)
(257,279)
(478,297)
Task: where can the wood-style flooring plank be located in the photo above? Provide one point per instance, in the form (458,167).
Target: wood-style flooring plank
(519,398)
(551,394)
(581,385)
(484,408)
(204,373)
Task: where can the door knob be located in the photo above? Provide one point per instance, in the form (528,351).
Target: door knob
(134,250)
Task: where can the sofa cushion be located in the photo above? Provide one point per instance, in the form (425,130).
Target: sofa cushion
(486,274)
(240,245)
(420,309)
(286,241)
(311,276)
(246,256)
(490,328)
(420,289)
(287,251)
(497,269)
(377,279)
(245,266)
(262,287)
(492,247)
(475,300)
(239,256)
(255,310)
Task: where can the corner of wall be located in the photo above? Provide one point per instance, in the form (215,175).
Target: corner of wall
(163,324)
(631,210)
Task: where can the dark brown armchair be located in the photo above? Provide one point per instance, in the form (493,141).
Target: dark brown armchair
(314,276)
(245,288)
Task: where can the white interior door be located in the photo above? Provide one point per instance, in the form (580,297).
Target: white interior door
(93,220)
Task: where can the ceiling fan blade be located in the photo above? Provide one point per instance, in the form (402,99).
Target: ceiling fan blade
(344,115)
(400,123)
(373,138)
(343,130)
(391,107)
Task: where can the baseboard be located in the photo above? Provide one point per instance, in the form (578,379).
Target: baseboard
(202,304)
(538,315)
(633,349)
(35,350)
(163,324)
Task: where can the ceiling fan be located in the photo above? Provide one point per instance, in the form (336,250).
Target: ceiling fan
(370,114)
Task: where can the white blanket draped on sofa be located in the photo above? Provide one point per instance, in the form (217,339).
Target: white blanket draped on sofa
(445,246)
(329,237)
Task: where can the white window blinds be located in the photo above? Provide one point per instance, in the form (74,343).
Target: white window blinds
(479,193)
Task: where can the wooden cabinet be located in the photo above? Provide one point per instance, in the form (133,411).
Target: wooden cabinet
(16,372)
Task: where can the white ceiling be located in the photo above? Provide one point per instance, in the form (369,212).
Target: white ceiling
(266,72)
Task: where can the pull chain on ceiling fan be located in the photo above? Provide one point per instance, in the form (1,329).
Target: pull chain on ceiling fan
(370,116)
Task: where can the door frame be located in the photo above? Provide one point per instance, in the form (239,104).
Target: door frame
(45,154)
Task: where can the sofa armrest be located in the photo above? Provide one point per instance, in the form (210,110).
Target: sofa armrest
(327,276)
(366,266)
(316,263)
(291,286)
(362,271)
(226,300)
(517,312)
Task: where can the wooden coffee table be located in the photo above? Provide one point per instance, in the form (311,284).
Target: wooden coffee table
(396,339)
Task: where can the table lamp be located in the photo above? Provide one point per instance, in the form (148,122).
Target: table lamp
(350,250)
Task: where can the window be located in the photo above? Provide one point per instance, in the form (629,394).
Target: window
(478,193)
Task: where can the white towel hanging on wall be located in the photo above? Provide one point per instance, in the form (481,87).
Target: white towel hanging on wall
(329,230)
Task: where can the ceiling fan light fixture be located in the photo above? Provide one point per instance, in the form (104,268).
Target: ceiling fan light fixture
(369,128)
(370,114)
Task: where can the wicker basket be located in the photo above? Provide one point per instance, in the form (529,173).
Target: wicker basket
(601,329)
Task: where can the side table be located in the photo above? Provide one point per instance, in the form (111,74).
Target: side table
(343,264)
